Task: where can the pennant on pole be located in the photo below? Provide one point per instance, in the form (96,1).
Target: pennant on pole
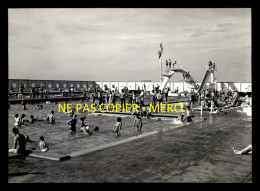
(161,50)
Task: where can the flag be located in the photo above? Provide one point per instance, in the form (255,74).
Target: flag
(161,50)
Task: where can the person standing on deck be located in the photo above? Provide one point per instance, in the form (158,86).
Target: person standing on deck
(173,65)
(142,97)
(159,97)
(42,89)
(154,97)
(37,92)
(166,63)
(122,98)
(166,91)
(170,63)
(113,97)
(110,99)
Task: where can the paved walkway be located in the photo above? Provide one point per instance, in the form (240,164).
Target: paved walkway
(199,152)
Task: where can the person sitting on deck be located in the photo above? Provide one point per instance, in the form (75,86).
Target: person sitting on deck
(85,128)
(247,150)
(19,142)
(72,123)
(117,127)
(42,145)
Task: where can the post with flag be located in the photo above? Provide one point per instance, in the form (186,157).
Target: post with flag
(160,60)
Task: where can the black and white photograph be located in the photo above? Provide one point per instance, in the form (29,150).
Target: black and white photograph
(129,95)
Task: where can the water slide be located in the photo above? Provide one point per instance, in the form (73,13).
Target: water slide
(204,82)
(192,82)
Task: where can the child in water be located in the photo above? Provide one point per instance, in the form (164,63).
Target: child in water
(32,119)
(137,119)
(22,119)
(85,128)
(117,127)
(50,117)
(42,145)
(23,103)
(181,117)
(188,114)
(73,123)
(148,112)
(17,120)
(39,107)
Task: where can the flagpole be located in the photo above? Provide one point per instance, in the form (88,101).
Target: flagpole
(160,60)
(161,66)
(161,72)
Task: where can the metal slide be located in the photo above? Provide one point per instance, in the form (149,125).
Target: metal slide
(204,82)
(189,79)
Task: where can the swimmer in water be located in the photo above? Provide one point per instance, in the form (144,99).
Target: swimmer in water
(85,128)
(32,119)
(42,145)
(17,120)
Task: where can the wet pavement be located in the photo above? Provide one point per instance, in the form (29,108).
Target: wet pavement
(198,152)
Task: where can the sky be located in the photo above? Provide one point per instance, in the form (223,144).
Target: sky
(122,44)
